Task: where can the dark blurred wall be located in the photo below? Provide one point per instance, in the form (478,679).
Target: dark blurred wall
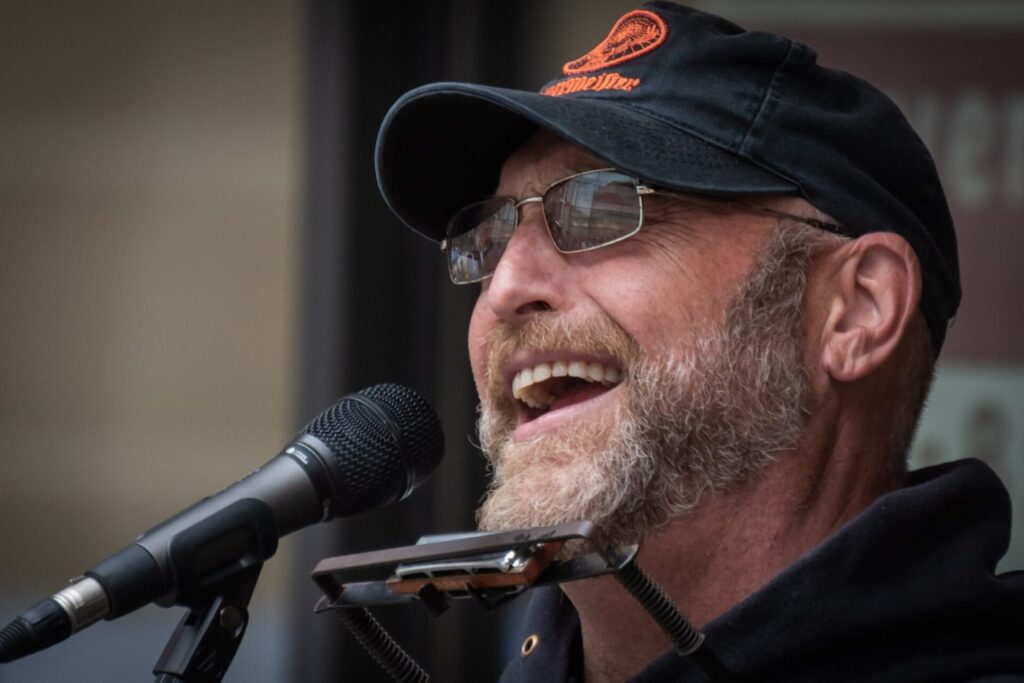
(379,307)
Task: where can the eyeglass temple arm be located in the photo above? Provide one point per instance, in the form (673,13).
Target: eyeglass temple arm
(704,200)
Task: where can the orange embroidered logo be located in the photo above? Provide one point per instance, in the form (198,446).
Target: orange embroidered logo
(635,34)
(610,81)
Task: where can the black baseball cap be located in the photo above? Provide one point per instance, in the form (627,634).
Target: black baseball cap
(688,101)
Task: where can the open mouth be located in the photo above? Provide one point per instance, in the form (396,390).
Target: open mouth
(554,385)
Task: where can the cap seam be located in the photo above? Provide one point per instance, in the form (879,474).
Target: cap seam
(700,136)
(761,110)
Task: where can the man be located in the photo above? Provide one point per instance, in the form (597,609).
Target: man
(714,278)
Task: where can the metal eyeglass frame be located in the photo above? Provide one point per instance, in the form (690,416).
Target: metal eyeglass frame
(642,191)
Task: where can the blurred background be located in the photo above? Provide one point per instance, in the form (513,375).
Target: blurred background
(194,261)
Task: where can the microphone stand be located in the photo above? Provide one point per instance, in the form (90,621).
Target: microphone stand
(206,639)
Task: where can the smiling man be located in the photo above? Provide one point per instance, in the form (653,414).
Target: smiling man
(714,277)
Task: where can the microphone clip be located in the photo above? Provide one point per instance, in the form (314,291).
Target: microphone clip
(207,637)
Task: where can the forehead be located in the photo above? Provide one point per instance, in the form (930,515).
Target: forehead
(540,161)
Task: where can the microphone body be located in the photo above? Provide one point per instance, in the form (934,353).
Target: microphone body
(369,449)
(216,537)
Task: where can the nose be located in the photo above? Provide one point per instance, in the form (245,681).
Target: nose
(532,276)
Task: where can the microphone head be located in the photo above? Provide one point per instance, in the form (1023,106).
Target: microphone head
(386,441)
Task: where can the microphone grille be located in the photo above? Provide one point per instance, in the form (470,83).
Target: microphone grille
(386,440)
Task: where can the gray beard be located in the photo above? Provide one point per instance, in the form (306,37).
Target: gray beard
(702,419)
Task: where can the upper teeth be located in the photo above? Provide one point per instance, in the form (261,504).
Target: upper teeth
(525,381)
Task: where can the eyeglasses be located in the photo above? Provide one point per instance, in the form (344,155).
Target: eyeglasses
(583,212)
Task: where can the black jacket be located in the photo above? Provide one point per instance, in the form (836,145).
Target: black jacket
(906,591)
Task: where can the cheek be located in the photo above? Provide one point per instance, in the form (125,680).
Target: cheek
(658,304)
(479,329)
(681,294)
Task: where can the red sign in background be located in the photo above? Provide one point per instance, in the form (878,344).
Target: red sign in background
(963,90)
(962,87)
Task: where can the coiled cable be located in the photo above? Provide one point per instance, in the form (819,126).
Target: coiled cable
(381,646)
(688,641)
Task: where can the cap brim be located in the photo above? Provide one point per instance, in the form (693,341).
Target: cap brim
(442,146)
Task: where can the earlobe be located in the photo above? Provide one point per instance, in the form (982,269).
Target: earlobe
(874,292)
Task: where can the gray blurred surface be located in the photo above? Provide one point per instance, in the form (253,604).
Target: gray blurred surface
(148,240)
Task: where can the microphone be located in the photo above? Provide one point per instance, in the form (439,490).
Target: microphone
(369,449)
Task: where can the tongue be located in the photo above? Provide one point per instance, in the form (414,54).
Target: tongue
(578,393)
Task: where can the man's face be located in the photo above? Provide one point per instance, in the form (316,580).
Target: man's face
(657,328)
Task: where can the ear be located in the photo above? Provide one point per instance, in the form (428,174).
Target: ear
(874,289)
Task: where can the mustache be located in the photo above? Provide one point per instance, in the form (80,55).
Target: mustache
(598,335)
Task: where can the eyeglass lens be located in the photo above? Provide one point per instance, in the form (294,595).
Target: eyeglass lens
(583,212)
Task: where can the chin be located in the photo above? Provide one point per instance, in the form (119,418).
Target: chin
(581,471)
